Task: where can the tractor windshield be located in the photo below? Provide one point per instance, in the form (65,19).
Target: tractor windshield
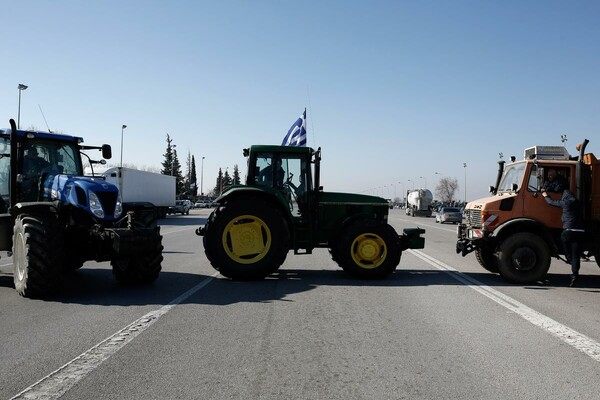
(58,157)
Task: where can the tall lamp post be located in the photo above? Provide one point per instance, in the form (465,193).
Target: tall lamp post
(21,87)
(425,179)
(413,183)
(202,177)
(122,128)
(465,166)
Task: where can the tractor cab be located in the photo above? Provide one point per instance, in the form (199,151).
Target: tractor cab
(285,170)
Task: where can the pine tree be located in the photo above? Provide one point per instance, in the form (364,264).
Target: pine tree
(236,175)
(218,187)
(176,168)
(167,164)
(193,179)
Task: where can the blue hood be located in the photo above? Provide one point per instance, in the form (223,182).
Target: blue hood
(76,190)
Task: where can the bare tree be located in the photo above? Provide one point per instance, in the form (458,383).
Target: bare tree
(446,188)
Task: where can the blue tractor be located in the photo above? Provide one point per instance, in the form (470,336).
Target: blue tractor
(53,219)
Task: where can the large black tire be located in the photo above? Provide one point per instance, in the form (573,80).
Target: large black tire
(368,250)
(246,239)
(523,257)
(487,259)
(142,269)
(37,254)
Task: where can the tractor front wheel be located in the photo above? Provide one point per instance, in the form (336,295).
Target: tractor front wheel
(37,254)
(246,239)
(369,250)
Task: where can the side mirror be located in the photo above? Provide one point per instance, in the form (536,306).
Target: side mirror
(514,187)
(491,189)
(106,151)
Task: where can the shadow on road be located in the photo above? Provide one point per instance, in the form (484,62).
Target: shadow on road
(90,286)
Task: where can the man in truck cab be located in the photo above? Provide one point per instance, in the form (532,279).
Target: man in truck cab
(573,229)
(554,183)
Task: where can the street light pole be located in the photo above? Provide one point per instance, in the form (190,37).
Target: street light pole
(413,183)
(465,166)
(21,87)
(425,179)
(202,178)
(122,128)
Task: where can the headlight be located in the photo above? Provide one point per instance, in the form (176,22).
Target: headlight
(95,205)
(118,207)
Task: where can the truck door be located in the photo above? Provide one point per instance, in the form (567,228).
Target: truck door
(535,207)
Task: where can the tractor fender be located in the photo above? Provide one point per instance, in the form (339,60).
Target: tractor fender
(34,208)
(345,224)
(7,221)
(242,192)
(525,225)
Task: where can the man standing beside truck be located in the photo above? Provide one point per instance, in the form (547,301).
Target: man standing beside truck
(573,229)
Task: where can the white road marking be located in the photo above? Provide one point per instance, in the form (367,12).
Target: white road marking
(60,381)
(571,337)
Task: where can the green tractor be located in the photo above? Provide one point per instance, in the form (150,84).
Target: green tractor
(281,208)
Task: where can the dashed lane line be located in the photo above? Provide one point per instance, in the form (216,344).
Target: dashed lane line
(581,342)
(64,378)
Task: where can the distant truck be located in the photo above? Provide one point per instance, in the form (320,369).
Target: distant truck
(514,232)
(418,203)
(138,186)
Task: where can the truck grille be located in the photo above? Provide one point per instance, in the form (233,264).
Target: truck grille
(472,218)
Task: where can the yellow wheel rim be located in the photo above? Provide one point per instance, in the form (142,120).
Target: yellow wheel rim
(368,250)
(246,239)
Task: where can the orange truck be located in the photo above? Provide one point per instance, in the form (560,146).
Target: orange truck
(514,232)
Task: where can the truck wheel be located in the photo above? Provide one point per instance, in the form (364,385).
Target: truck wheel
(141,269)
(487,259)
(369,250)
(246,239)
(523,257)
(37,254)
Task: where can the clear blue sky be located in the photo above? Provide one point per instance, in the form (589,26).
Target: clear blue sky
(395,90)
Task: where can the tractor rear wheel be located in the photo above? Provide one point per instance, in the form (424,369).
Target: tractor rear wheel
(37,254)
(369,250)
(246,239)
(523,257)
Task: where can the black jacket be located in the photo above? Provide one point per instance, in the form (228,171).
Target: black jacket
(571,215)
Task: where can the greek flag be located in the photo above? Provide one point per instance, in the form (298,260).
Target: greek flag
(296,136)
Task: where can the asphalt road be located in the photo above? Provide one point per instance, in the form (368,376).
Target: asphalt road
(439,328)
